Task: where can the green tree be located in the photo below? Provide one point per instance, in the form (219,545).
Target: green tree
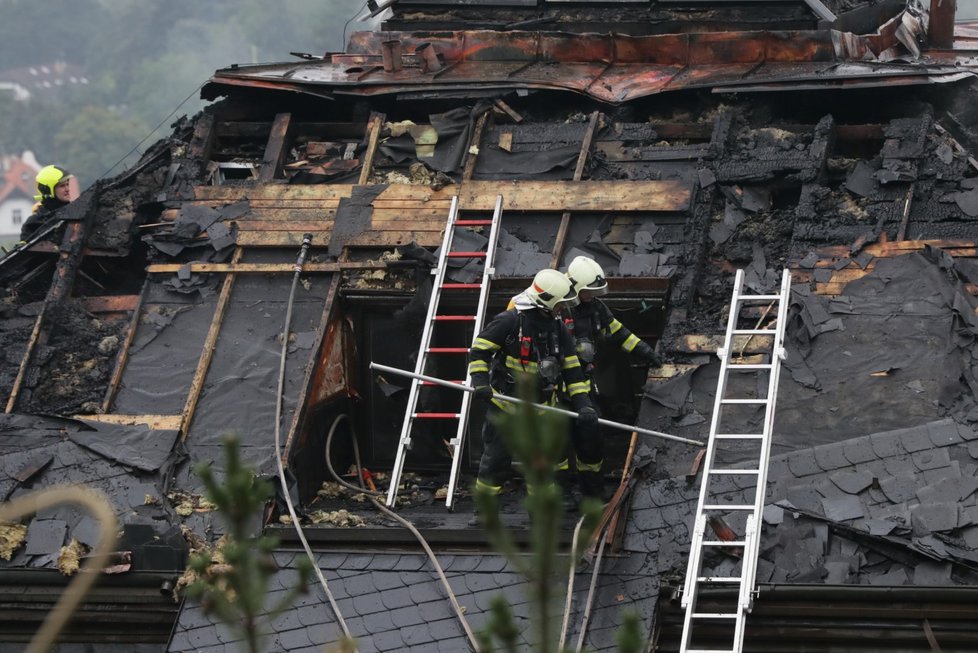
(94,139)
(537,440)
(235,591)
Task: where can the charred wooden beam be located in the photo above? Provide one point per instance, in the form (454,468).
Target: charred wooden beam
(278,142)
(202,143)
(564,227)
(80,213)
(374,126)
(210,344)
(123,356)
(474,144)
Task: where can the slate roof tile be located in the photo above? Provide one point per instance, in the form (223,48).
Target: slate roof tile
(293,639)
(311,614)
(407,563)
(368,604)
(461,563)
(931,459)
(416,635)
(973,449)
(916,439)
(323,633)
(453,645)
(201,637)
(802,463)
(843,509)
(938,474)
(424,592)
(932,573)
(359,585)
(852,482)
(435,610)
(444,629)
(388,641)
(491,563)
(886,444)
(828,489)
(830,457)
(899,465)
(858,450)
(286,620)
(933,517)
(966,432)
(363,561)
(894,577)
(944,433)
(406,616)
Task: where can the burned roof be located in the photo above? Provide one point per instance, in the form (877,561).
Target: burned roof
(146,320)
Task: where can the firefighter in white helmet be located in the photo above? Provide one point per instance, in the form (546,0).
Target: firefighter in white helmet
(588,322)
(529,338)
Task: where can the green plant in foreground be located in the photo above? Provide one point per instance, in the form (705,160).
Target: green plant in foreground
(232,581)
(537,441)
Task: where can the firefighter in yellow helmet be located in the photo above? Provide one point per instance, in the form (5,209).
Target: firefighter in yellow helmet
(55,190)
(528,338)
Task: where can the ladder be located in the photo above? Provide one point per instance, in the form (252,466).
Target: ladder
(413,419)
(734,527)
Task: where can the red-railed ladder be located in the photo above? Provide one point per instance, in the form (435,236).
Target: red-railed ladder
(413,419)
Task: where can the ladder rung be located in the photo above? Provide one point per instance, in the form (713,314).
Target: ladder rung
(749,366)
(760,298)
(437,415)
(732,506)
(734,472)
(431,383)
(466,255)
(715,615)
(461,286)
(448,350)
(454,318)
(753,332)
(739,436)
(743,401)
(718,579)
(732,543)
(473,223)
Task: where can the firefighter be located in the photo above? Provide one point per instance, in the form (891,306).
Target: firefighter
(55,188)
(529,338)
(589,321)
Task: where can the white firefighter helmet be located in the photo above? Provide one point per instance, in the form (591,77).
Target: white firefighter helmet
(585,273)
(549,289)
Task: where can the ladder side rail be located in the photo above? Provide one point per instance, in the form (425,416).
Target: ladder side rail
(689,598)
(767,441)
(692,570)
(404,441)
(488,273)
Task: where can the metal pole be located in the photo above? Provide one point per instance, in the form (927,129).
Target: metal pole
(550,409)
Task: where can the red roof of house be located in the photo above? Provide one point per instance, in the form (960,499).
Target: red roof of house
(17,177)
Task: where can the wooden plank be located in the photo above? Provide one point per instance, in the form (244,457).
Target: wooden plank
(123,356)
(395,238)
(238,268)
(699,344)
(278,238)
(330,307)
(476,143)
(272,192)
(210,344)
(896,247)
(561,241)
(374,126)
(557,196)
(284,225)
(275,148)
(286,215)
(155,422)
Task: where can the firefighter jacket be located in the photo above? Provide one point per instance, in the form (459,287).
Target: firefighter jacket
(527,341)
(592,321)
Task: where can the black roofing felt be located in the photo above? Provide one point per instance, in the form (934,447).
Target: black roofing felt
(395,602)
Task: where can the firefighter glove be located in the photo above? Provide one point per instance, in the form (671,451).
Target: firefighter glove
(645,353)
(483,393)
(587,416)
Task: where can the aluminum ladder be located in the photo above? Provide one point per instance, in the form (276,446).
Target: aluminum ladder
(413,419)
(734,526)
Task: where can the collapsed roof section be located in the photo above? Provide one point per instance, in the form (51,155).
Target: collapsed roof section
(890,45)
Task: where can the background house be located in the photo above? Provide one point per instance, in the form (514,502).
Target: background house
(16,193)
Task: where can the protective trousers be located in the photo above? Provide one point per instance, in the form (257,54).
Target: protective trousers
(494,465)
